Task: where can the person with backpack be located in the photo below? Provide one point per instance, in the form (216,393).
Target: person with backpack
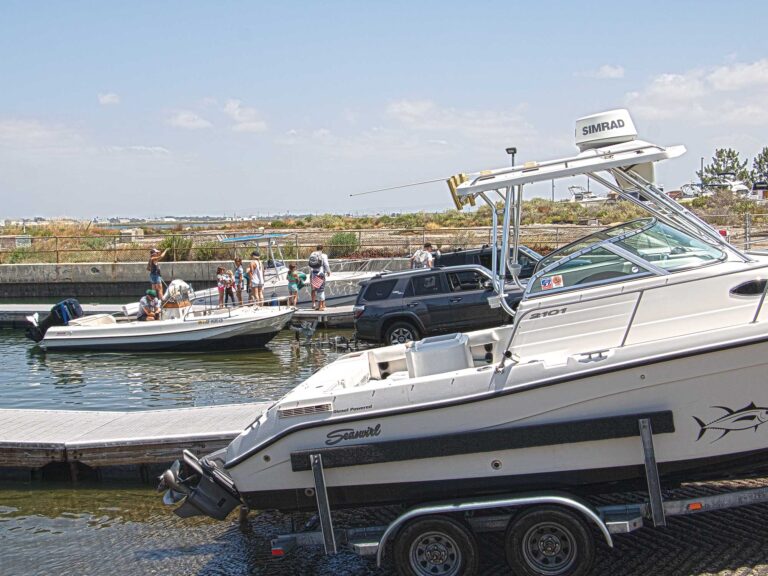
(320,269)
(422,258)
(296,281)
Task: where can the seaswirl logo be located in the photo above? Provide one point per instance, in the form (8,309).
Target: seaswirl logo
(336,436)
(601,127)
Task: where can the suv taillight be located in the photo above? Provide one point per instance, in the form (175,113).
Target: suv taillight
(358,311)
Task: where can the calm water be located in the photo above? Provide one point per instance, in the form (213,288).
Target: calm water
(48,529)
(31,378)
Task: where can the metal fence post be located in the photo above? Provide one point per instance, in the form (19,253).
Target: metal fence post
(114,248)
(747,231)
(56,248)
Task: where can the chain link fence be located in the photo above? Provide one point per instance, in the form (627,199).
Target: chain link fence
(750,233)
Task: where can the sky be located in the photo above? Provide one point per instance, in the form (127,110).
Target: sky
(154,108)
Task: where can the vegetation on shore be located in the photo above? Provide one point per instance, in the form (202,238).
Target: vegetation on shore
(73,242)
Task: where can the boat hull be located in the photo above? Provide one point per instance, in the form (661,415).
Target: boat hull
(580,482)
(506,441)
(206,334)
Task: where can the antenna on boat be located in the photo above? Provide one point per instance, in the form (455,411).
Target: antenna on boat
(443,179)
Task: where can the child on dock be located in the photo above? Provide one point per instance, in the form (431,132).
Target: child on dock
(296,281)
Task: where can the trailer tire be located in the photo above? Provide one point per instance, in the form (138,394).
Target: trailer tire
(435,546)
(549,541)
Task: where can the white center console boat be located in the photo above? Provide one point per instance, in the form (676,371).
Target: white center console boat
(658,319)
(181,327)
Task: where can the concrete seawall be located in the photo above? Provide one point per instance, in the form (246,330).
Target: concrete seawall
(107,279)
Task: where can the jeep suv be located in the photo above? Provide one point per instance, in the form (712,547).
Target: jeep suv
(398,307)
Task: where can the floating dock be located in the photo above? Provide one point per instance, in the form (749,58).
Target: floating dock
(15,315)
(81,443)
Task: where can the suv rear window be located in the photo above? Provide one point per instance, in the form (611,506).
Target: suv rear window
(379,290)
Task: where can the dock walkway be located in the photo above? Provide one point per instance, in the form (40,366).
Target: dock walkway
(32,439)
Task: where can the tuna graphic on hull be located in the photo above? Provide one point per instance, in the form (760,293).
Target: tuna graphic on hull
(750,416)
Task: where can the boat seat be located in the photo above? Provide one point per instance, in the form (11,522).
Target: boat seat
(486,345)
(439,354)
(401,375)
(386,361)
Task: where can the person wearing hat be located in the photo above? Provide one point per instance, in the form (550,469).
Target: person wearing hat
(256,279)
(149,306)
(155,278)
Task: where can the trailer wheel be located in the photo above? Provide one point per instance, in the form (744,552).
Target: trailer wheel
(549,541)
(435,546)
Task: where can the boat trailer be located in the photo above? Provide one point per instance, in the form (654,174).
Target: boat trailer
(546,532)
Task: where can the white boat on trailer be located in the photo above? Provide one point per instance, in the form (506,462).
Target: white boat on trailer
(658,320)
(182,328)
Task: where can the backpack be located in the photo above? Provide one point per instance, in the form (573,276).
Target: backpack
(315,261)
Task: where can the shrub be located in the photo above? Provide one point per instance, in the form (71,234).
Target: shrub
(342,244)
(179,247)
(211,250)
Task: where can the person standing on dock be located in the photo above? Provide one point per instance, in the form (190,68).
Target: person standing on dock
(229,288)
(221,283)
(296,282)
(239,274)
(422,258)
(320,269)
(256,274)
(155,277)
(149,306)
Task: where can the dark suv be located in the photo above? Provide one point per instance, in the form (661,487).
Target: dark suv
(401,306)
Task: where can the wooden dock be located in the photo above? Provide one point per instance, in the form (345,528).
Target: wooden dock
(14,315)
(34,439)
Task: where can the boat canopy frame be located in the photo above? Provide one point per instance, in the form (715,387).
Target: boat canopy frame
(623,162)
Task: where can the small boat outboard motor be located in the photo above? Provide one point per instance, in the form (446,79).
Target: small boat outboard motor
(60,315)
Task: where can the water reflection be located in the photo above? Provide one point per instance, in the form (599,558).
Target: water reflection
(57,529)
(32,378)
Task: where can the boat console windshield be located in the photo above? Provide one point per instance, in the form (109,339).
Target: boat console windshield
(638,248)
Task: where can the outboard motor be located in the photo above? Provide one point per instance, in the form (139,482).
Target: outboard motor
(60,315)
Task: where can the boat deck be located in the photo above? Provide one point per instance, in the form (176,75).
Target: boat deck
(31,439)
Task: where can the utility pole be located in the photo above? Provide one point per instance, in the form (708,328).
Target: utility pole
(553,189)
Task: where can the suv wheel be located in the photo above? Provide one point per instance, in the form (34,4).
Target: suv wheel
(400,333)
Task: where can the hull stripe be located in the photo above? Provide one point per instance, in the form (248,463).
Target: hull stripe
(586,430)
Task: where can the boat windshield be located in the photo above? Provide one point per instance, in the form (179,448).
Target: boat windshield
(642,247)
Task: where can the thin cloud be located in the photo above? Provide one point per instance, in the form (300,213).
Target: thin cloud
(145,150)
(33,135)
(484,126)
(108,99)
(245,119)
(740,76)
(699,95)
(188,120)
(608,72)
